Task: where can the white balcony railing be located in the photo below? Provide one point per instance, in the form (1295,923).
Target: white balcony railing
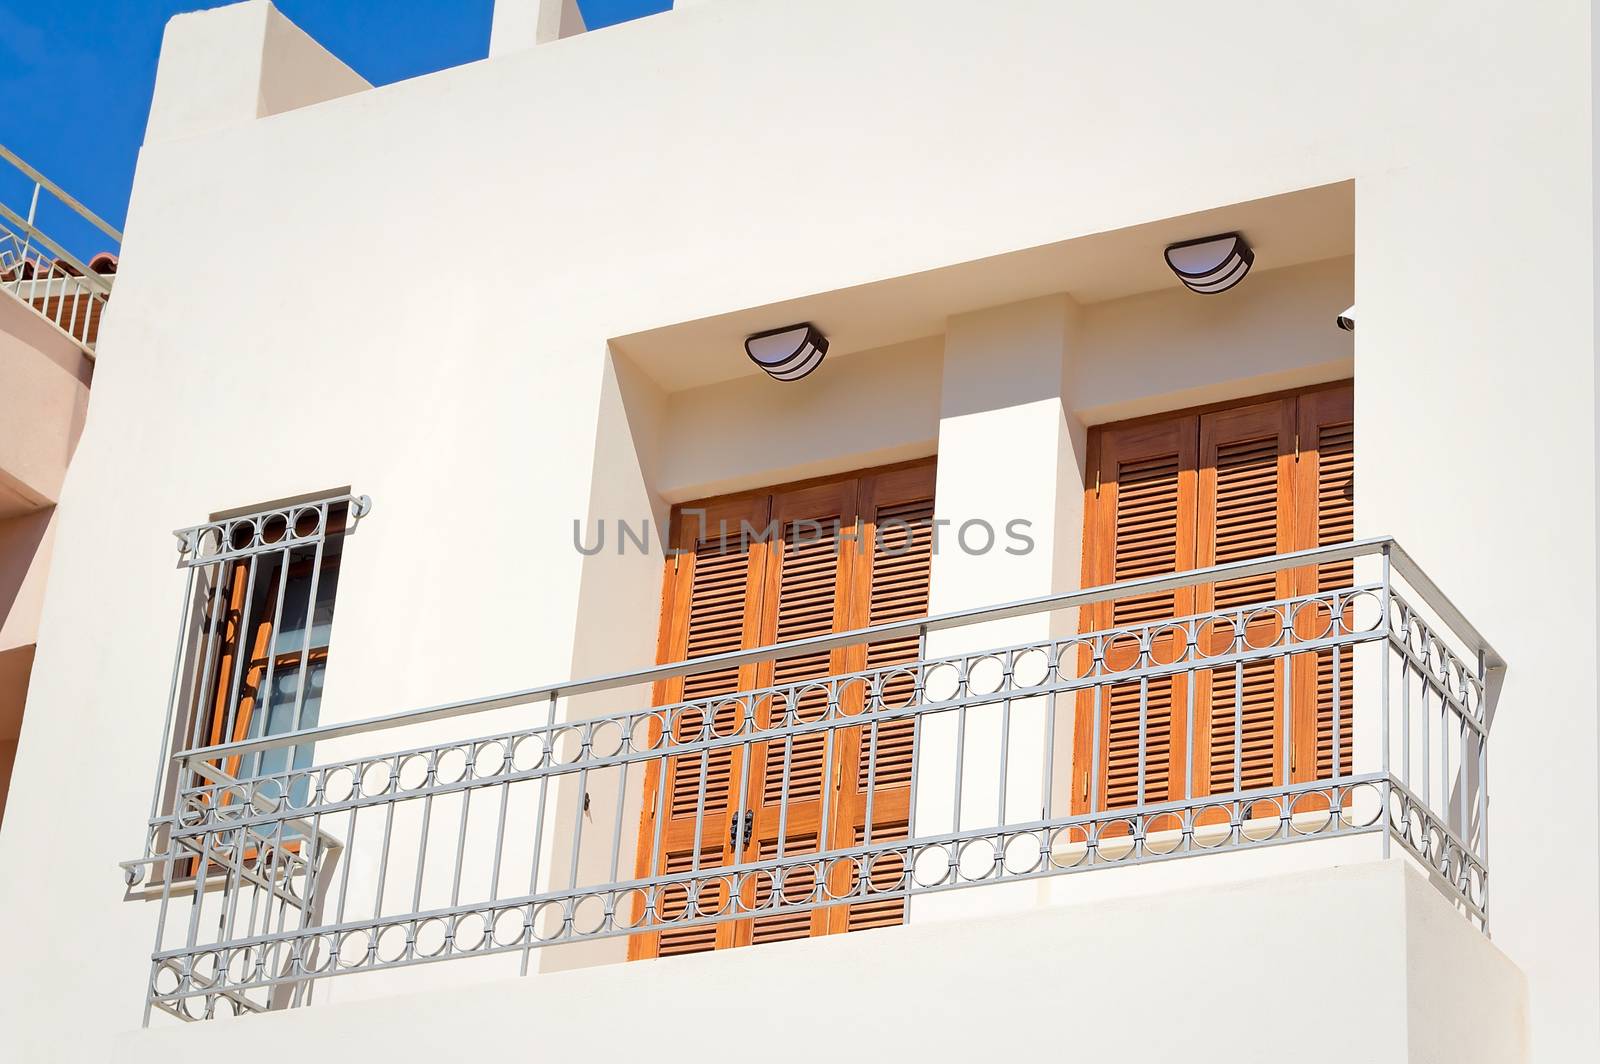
(390,857)
(41,273)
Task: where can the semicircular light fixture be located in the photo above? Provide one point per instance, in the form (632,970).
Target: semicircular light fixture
(789,353)
(1211,264)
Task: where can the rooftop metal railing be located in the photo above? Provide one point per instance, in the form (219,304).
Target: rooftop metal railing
(1360,709)
(45,276)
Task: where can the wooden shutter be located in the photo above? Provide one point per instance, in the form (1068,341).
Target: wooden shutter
(1247,510)
(891,584)
(1271,476)
(818,569)
(1327,515)
(711,605)
(1140,523)
(808,584)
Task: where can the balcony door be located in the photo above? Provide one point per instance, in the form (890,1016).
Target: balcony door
(820,557)
(1194,489)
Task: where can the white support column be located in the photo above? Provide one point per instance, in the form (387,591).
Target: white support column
(1010,486)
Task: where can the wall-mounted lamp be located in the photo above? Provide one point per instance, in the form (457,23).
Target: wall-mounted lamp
(1347,320)
(789,353)
(1211,264)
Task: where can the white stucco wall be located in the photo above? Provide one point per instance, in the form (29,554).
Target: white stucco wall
(410,289)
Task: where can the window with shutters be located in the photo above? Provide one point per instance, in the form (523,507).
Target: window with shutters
(828,556)
(1248,480)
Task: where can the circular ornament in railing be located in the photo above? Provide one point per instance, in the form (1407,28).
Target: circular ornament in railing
(1030,668)
(318,954)
(606,738)
(931,866)
(1075,660)
(568,745)
(646,731)
(811,703)
(941,682)
(759,887)
(241,965)
(850,695)
(1438,659)
(1023,853)
(842,878)
(976,860)
(1069,846)
(1122,651)
(203,970)
(886,872)
(630,908)
(985,675)
(588,914)
(241,535)
(1164,833)
(413,772)
(307,522)
(1114,840)
(1216,636)
(895,689)
(1361,805)
(338,784)
(1212,826)
(1168,644)
(394,942)
(1311,813)
(528,753)
(376,778)
(509,927)
(799,884)
(1313,619)
(1264,628)
(1261,820)
(730,718)
(1418,638)
(549,921)
(432,937)
(489,759)
(689,723)
(450,765)
(355,947)
(671,901)
(274,527)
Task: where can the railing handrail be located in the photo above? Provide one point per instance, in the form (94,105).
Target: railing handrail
(61,194)
(90,277)
(1398,558)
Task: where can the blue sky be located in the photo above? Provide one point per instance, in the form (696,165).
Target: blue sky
(77,78)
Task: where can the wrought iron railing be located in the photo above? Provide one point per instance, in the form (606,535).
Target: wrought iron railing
(44,275)
(379,858)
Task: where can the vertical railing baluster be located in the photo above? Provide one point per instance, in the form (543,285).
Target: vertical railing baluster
(547,763)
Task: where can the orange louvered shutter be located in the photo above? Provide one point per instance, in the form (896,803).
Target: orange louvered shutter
(792,784)
(711,606)
(1326,516)
(891,584)
(815,567)
(1271,477)
(1246,511)
(1140,523)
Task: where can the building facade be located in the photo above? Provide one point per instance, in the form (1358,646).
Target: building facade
(504,687)
(50,309)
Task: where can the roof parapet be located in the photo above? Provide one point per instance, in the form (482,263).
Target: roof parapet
(520,24)
(231,65)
